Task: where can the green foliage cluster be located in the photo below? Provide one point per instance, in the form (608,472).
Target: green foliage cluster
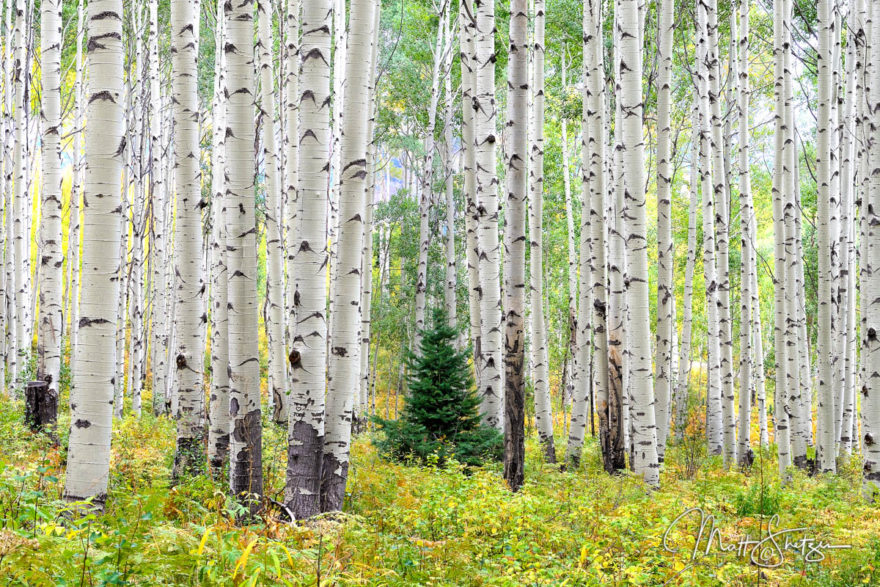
(441,418)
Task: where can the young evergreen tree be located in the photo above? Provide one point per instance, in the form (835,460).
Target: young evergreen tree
(441,418)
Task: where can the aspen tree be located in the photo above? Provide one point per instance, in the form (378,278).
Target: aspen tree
(245,443)
(629,96)
(665,249)
(218,429)
(344,360)
(827,446)
(449,295)
(485,138)
(88,456)
(514,247)
(51,276)
(73,242)
(540,356)
(291,143)
(16,214)
(467,60)
(308,357)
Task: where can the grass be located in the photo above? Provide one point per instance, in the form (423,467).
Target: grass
(407,525)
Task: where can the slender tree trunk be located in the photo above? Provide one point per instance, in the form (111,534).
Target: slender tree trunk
(571,380)
(514,247)
(741,38)
(344,359)
(245,446)
(684,372)
(308,359)
(88,456)
(17,218)
(218,429)
(449,166)
(781,411)
(827,452)
(52,284)
(467,26)
(274,245)
(633,159)
(73,242)
(190,286)
(540,356)
(291,142)
(665,249)
(485,138)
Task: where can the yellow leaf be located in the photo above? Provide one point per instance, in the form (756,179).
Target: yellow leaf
(242,560)
(203,541)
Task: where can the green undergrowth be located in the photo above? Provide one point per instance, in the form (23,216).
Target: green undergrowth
(416,525)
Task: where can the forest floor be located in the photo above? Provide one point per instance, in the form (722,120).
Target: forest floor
(407,525)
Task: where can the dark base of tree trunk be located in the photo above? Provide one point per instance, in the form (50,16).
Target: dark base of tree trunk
(514,418)
(41,406)
(220,459)
(246,467)
(304,458)
(611,422)
(189,458)
(333,478)
(549,450)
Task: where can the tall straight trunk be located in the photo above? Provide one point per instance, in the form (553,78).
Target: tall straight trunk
(741,39)
(52,284)
(871,275)
(684,372)
(827,452)
(540,355)
(73,242)
(274,246)
(449,295)
(798,361)
(467,59)
(514,247)
(571,382)
(7,331)
(291,144)
(218,429)
(190,286)
(781,428)
(88,456)
(308,359)
(344,364)
(367,255)
(630,29)
(714,420)
(245,444)
(665,249)
(426,193)
(722,205)
(485,138)
(16,218)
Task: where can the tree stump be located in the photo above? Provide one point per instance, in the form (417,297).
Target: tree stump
(41,405)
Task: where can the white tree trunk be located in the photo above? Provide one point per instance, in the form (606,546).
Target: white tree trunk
(274,247)
(665,249)
(485,138)
(344,363)
(50,260)
(88,457)
(633,158)
(245,444)
(309,355)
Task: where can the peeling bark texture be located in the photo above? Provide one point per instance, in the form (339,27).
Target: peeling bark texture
(514,247)
(644,439)
(344,361)
(190,284)
(485,139)
(88,456)
(245,447)
(49,347)
(40,405)
(308,357)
